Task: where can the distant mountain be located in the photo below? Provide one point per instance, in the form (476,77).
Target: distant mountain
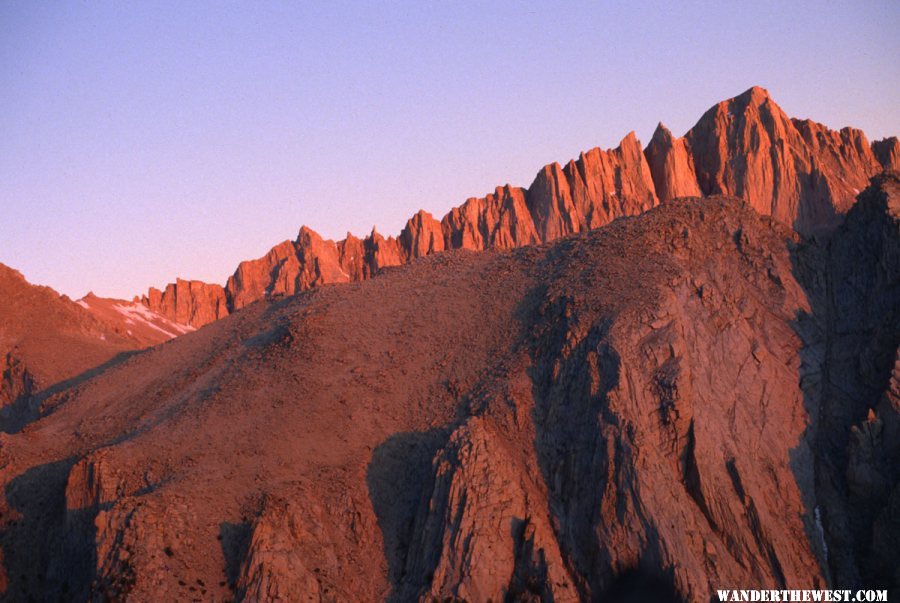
(47,340)
(690,399)
(798,171)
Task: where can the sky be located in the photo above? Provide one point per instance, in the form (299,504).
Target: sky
(143,141)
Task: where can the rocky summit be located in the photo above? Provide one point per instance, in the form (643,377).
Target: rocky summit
(654,373)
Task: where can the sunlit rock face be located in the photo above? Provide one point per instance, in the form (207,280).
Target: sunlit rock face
(797,171)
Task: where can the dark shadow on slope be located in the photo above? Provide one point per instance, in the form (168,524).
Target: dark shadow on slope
(48,552)
(850,464)
(235,538)
(638,586)
(399,479)
(569,413)
(28,408)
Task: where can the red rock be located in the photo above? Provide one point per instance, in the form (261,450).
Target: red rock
(546,424)
(380,253)
(192,303)
(797,171)
(421,236)
(592,191)
(671,165)
(253,279)
(499,220)
(352,257)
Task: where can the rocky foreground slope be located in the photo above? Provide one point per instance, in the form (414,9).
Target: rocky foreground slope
(798,171)
(674,403)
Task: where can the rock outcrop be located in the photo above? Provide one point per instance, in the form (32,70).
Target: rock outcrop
(798,171)
(192,303)
(17,387)
(592,191)
(671,165)
(422,235)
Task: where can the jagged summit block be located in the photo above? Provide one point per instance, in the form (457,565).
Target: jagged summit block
(671,165)
(797,171)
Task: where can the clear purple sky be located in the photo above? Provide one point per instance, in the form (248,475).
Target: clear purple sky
(140,141)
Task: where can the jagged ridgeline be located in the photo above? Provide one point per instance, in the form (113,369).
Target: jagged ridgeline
(798,171)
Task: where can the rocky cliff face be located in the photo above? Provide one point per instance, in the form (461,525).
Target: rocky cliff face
(851,384)
(797,171)
(192,303)
(672,166)
(649,408)
(800,172)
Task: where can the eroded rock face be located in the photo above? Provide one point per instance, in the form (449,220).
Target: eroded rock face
(501,220)
(671,165)
(17,385)
(592,191)
(798,171)
(293,553)
(482,534)
(422,236)
(661,407)
(192,303)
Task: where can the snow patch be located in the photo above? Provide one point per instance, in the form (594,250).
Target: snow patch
(821,529)
(136,313)
(83,304)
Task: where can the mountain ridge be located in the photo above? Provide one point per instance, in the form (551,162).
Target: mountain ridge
(671,403)
(799,171)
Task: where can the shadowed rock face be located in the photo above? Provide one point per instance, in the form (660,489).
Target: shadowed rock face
(636,409)
(851,383)
(798,171)
(887,151)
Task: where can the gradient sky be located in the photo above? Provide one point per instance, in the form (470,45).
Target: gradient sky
(140,141)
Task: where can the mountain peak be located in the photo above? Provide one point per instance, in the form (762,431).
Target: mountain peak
(661,134)
(755,95)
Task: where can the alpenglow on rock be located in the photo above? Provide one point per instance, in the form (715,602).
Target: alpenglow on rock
(798,171)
